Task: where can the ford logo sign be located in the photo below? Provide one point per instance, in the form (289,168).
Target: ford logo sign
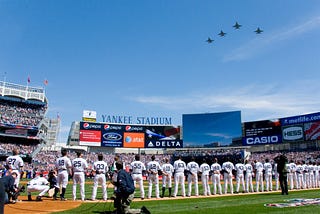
(112,136)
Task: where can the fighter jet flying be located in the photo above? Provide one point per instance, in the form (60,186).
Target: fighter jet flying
(209,40)
(258,31)
(222,33)
(237,26)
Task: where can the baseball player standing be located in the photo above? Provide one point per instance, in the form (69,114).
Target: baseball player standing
(205,170)
(259,175)
(100,168)
(38,184)
(152,168)
(227,168)
(299,172)
(193,169)
(249,175)
(15,163)
(79,166)
(63,165)
(137,168)
(240,168)
(179,168)
(167,171)
(268,174)
(215,169)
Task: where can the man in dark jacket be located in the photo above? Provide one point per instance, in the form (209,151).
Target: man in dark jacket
(282,161)
(124,191)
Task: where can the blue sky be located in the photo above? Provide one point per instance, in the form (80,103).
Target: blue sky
(149,58)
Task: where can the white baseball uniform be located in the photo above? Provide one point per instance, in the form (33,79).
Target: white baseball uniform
(100,168)
(38,184)
(240,168)
(249,175)
(259,176)
(299,171)
(63,164)
(15,163)
(227,176)
(137,167)
(216,168)
(79,165)
(193,169)
(205,170)
(179,168)
(168,170)
(268,175)
(153,167)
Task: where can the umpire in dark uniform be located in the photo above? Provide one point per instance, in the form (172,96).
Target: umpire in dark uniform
(282,161)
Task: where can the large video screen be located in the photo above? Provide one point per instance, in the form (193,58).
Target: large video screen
(129,136)
(211,129)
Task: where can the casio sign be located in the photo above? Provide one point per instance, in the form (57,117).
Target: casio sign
(112,136)
(262,140)
(292,133)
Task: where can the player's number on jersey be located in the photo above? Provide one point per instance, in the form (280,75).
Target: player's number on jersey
(11,161)
(76,163)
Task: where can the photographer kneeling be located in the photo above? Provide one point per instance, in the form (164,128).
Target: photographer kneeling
(124,191)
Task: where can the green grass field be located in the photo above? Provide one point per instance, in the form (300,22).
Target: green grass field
(237,203)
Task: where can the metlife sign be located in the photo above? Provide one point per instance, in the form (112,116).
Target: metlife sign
(307,118)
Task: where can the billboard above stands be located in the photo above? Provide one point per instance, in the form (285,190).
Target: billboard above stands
(300,119)
(211,129)
(130,136)
(292,133)
(312,130)
(262,128)
(262,132)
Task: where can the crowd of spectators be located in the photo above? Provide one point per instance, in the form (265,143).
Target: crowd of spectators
(45,160)
(19,113)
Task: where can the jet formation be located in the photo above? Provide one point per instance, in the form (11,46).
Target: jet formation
(236,26)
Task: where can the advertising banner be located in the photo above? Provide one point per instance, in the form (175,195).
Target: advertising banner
(129,136)
(312,130)
(307,118)
(292,133)
(262,132)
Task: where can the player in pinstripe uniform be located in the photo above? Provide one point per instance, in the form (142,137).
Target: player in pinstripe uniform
(63,165)
(240,168)
(205,170)
(100,168)
(227,168)
(79,166)
(136,169)
(215,169)
(179,168)
(268,174)
(259,175)
(193,169)
(153,167)
(15,163)
(248,177)
(167,171)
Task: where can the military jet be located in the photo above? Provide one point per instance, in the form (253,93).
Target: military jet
(209,40)
(222,33)
(237,26)
(258,31)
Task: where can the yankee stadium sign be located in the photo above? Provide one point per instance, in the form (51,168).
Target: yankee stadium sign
(136,120)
